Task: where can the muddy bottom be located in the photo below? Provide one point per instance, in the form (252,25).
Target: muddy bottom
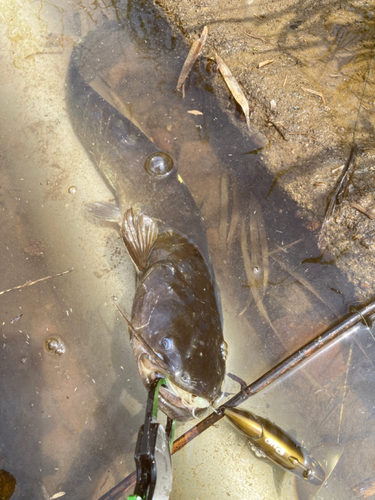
(306,103)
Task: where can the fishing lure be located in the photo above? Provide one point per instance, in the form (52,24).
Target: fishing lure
(268,440)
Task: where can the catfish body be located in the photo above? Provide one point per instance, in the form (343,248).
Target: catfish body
(176,327)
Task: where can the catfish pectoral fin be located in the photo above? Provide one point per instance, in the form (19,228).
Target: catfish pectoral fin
(106,211)
(140,233)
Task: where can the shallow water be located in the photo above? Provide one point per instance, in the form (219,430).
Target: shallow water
(69,422)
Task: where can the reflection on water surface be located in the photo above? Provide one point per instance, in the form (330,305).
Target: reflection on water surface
(70,421)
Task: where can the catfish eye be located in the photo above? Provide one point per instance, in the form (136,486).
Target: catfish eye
(166,343)
(159,164)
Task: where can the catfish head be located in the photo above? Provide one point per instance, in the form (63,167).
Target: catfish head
(176,330)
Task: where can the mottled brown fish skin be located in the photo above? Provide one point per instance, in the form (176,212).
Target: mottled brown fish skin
(176,308)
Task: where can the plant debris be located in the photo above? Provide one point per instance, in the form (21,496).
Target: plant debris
(36,281)
(58,495)
(192,57)
(363,210)
(264,63)
(195,112)
(234,88)
(278,129)
(303,133)
(19,316)
(339,192)
(365,489)
(256,37)
(315,92)
(35,248)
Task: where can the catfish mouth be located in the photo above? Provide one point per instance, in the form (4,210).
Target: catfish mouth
(175,401)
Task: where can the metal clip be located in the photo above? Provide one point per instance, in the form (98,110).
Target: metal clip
(153,453)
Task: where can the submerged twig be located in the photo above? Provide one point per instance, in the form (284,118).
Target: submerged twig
(192,57)
(234,88)
(278,129)
(357,119)
(256,37)
(36,281)
(303,282)
(302,133)
(363,210)
(315,92)
(285,248)
(339,192)
(363,96)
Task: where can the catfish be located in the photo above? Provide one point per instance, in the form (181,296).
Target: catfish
(176,327)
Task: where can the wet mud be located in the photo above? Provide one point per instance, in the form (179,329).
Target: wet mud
(320,46)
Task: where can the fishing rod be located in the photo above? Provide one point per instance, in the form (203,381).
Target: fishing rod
(281,369)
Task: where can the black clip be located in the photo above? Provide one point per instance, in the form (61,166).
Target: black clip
(153,452)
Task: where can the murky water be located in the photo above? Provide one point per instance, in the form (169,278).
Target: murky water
(72,400)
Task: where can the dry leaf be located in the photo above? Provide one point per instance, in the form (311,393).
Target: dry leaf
(264,63)
(192,57)
(195,112)
(315,92)
(58,495)
(234,88)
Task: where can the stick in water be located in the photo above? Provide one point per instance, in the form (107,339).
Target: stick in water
(36,281)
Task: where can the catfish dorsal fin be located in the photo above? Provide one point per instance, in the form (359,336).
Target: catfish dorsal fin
(140,233)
